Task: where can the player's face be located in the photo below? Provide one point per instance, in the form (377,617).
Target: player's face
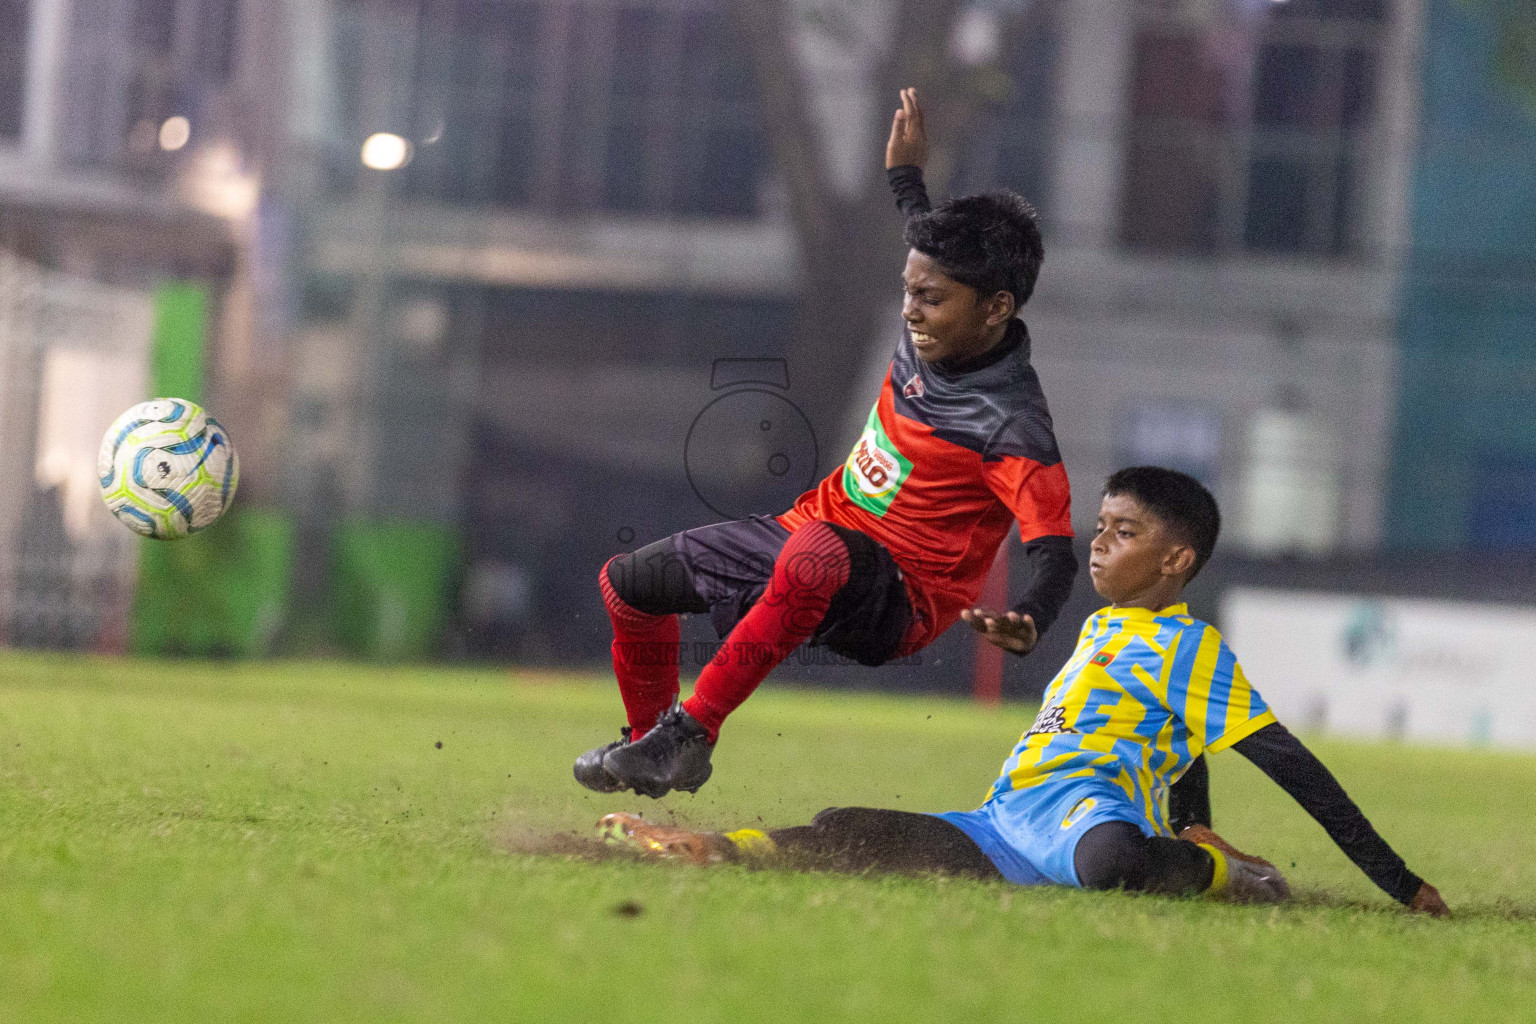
(1134,558)
(948,320)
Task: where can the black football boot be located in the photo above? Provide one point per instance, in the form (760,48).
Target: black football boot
(589,770)
(673,755)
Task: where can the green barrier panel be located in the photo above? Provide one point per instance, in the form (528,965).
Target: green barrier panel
(222,592)
(219,593)
(181,323)
(391,585)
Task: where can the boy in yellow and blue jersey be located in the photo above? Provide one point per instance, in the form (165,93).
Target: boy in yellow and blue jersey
(1081,798)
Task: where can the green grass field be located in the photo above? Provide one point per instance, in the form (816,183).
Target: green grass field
(197,842)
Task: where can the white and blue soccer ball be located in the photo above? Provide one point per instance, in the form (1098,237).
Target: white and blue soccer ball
(167,469)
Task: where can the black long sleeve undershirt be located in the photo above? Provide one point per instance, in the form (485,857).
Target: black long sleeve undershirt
(1295,769)
(911,194)
(1052,570)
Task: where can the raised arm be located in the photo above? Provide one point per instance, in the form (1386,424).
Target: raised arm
(906,153)
(1297,770)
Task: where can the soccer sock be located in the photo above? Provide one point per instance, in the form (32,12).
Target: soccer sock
(811,568)
(1219,874)
(645,649)
(752,843)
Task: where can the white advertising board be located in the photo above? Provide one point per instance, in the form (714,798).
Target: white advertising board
(1430,671)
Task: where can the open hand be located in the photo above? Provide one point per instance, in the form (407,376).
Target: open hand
(1427,901)
(1008,630)
(908,144)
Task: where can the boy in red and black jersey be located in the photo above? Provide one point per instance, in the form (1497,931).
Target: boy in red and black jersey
(886,554)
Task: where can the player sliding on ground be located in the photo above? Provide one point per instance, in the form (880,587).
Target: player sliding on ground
(1080,800)
(892,548)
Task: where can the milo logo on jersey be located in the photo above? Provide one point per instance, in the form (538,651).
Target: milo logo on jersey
(875,470)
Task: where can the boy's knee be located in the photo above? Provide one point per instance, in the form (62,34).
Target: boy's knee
(622,578)
(827,559)
(816,545)
(618,571)
(653,580)
(856,824)
(835,817)
(1112,855)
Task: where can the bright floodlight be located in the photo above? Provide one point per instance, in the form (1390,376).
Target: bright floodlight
(385,151)
(174,133)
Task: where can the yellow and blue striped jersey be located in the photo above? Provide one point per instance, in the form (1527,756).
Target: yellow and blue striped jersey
(1142,695)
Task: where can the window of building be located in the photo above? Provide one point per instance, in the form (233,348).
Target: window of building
(553,105)
(1250,125)
(722,152)
(14,20)
(135,63)
(1010,147)
(217,32)
(151,88)
(470,105)
(646,82)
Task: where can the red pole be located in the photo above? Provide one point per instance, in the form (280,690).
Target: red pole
(988,682)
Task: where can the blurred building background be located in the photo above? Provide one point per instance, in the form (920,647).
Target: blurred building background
(488,291)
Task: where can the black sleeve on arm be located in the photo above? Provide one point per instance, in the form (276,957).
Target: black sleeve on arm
(1189,799)
(1295,769)
(911,195)
(1052,569)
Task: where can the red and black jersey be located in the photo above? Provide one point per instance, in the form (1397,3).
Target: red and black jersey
(948,459)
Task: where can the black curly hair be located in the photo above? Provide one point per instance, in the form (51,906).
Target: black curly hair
(990,242)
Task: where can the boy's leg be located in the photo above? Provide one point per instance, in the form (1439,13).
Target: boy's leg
(643,593)
(838,839)
(865,838)
(1117,855)
(810,569)
(1085,831)
(717,569)
(823,583)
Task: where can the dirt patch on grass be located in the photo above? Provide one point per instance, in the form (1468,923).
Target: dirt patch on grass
(523,840)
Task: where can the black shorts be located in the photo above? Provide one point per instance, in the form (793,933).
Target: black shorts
(724,569)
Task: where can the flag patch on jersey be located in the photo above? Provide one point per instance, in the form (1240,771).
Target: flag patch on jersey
(1102,659)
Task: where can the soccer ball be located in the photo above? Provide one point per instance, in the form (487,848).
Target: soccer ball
(167,469)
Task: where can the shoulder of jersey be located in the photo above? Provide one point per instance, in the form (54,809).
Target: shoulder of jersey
(996,412)
(1193,630)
